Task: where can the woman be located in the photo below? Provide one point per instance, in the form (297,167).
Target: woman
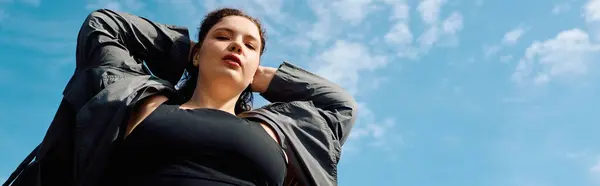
(119,125)
(202,142)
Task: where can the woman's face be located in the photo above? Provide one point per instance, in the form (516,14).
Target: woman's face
(230,54)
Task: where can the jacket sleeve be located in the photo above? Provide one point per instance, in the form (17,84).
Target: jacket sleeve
(122,40)
(326,102)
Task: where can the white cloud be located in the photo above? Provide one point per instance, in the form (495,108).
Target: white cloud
(400,10)
(578,154)
(592,10)
(513,36)
(436,31)
(595,169)
(401,38)
(333,16)
(270,7)
(560,8)
(345,61)
(352,11)
(399,34)
(430,10)
(428,38)
(510,38)
(453,24)
(261,8)
(373,131)
(567,55)
(269,12)
(591,14)
(321,31)
(34,3)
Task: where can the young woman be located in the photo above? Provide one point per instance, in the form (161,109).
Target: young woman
(202,141)
(123,124)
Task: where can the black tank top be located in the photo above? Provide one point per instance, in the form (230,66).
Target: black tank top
(178,147)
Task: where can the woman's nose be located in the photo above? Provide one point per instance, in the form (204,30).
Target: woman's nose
(235,47)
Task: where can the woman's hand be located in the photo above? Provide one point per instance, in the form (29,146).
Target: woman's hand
(262,78)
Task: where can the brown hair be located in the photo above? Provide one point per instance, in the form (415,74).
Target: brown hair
(244,103)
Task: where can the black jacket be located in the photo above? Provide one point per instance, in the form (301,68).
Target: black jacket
(312,116)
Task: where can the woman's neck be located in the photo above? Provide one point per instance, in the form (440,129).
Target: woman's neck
(203,98)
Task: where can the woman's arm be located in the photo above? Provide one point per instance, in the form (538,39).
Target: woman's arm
(293,85)
(122,40)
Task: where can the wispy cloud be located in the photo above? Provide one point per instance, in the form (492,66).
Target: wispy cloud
(333,63)
(334,18)
(595,171)
(574,155)
(430,15)
(561,8)
(400,10)
(513,36)
(401,37)
(373,132)
(353,11)
(567,55)
(399,34)
(510,38)
(430,10)
(437,30)
(322,29)
(265,9)
(592,10)
(453,24)
(489,51)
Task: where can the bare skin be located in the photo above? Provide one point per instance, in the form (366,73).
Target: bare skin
(233,35)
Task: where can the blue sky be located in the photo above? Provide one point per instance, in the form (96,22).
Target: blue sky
(451,92)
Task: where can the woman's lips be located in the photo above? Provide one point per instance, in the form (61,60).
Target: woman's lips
(232,60)
(232,63)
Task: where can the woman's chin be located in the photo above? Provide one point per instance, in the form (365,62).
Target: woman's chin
(228,75)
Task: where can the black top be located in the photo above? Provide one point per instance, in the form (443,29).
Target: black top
(174,146)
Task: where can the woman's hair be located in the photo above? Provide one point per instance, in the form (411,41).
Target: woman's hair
(244,103)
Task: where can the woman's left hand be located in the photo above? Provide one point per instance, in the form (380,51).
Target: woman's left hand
(262,78)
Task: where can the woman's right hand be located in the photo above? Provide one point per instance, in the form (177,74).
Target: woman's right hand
(262,78)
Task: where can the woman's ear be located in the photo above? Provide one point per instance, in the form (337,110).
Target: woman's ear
(196,59)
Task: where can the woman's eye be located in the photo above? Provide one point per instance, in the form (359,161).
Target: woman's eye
(250,46)
(222,38)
